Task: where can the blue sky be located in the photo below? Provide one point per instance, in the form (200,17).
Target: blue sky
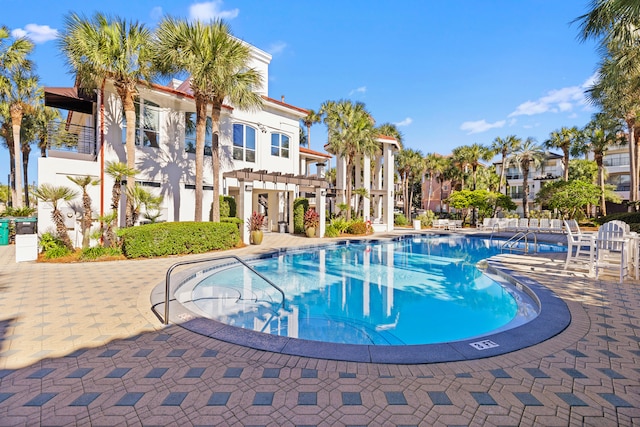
(446,73)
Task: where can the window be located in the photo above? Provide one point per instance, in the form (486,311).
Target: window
(190,134)
(620,159)
(147,129)
(244,143)
(280,145)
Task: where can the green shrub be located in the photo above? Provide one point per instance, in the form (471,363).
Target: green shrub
(340,224)
(400,219)
(176,238)
(357,227)
(96,252)
(227,208)
(628,217)
(426,219)
(233,220)
(300,206)
(331,231)
(52,247)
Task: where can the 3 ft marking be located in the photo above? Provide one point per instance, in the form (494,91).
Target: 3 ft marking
(484,345)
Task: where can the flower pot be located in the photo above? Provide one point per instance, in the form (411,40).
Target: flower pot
(310,231)
(256,237)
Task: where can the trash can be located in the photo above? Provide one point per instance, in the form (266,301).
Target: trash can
(26,225)
(283,227)
(26,239)
(4,231)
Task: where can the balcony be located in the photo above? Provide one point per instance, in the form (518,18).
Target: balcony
(71,141)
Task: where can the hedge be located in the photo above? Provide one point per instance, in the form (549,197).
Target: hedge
(300,206)
(177,238)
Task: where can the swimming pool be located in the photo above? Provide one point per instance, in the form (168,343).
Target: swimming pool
(403,292)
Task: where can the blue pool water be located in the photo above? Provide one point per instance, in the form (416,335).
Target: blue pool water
(419,290)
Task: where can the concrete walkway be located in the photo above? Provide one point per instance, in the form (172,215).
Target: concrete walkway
(79,345)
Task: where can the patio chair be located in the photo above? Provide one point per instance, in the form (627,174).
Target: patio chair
(583,244)
(534,225)
(556,226)
(485,225)
(544,226)
(612,246)
(523,224)
(512,224)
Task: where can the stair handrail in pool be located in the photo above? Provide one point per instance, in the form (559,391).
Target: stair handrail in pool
(518,237)
(167,288)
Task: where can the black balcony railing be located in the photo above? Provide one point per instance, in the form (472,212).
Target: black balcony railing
(73,138)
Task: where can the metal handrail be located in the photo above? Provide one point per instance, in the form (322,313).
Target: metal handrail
(197,261)
(519,237)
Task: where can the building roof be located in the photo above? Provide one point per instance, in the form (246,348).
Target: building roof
(305,152)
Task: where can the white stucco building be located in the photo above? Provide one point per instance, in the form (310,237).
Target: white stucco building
(263,166)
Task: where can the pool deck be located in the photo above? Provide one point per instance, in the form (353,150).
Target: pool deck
(79,345)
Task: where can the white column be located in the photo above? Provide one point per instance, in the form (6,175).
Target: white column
(388,185)
(321,205)
(366,178)
(341,179)
(245,201)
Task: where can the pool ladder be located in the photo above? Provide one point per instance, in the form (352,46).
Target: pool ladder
(167,288)
(520,237)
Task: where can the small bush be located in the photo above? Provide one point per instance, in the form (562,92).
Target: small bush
(358,227)
(233,220)
(340,224)
(426,219)
(227,208)
(331,231)
(400,219)
(53,247)
(89,254)
(300,206)
(176,238)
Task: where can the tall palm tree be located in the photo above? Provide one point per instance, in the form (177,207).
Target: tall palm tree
(526,155)
(602,132)
(505,147)
(309,120)
(614,22)
(87,218)
(218,65)
(351,133)
(119,172)
(101,48)
(435,165)
(51,194)
(43,116)
(563,139)
(410,165)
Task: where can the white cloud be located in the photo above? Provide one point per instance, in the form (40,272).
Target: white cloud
(156,13)
(405,122)
(207,11)
(277,48)
(557,100)
(37,33)
(361,89)
(480,126)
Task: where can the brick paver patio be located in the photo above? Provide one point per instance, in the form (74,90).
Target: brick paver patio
(79,345)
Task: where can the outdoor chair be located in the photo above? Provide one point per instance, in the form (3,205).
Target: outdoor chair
(533,224)
(612,246)
(544,226)
(523,224)
(580,247)
(556,226)
(512,224)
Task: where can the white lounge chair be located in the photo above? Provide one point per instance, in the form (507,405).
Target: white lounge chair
(523,224)
(534,225)
(556,226)
(544,226)
(612,247)
(512,224)
(583,244)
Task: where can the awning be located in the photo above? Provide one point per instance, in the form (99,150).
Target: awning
(67,98)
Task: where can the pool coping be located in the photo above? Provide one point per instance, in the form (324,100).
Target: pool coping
(553,318)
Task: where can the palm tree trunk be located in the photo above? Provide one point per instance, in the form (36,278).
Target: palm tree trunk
(26,150)
(215,160)
(503,173)
(603,203)
(565,160)
(16,120)
(349,184)
(86,219)
(201,126)
(61,228)
(128,105)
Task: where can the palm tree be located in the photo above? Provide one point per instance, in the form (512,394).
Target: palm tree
(17,89)
(218,65)
(601,133)
(309,120)
(526,155)
(614,22)
(410,165)
(119,172)
(87,217)
(51,194)
(351,134)
(434,166)
(103,48)
(505,147)
(43,116)
(563,139)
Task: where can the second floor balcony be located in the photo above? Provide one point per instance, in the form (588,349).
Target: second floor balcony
(71,141)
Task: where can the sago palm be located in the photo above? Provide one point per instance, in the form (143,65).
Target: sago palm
(54,195)
(218,68)
(101,48)
(119,172)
